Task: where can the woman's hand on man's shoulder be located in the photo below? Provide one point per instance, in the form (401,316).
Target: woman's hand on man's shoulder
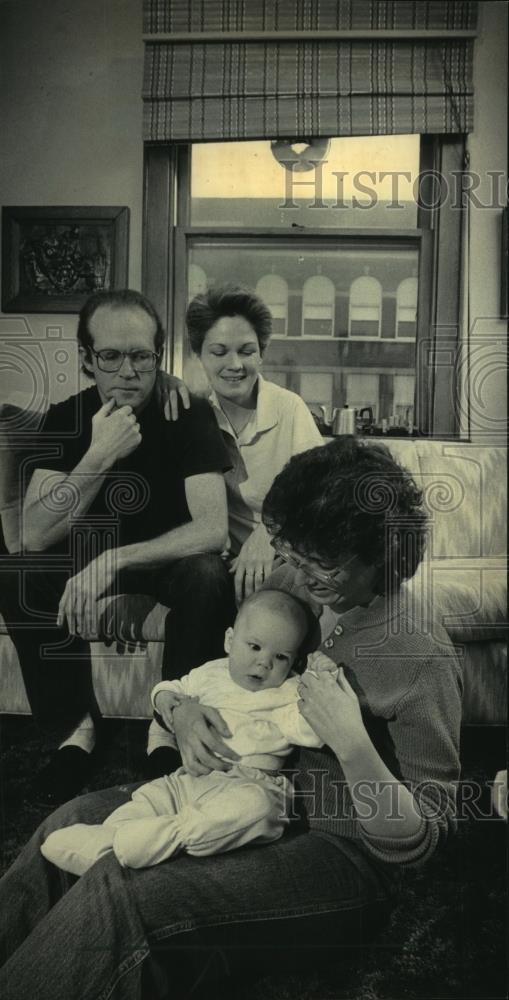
(169,389)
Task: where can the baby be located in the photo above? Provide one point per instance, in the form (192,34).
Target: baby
(255,690)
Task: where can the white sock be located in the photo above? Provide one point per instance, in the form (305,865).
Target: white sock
(158,737)
(83,736)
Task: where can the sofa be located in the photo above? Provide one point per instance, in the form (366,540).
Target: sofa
(462,579)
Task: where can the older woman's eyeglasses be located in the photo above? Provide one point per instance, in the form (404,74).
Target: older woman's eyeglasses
(311,567)
(112,361)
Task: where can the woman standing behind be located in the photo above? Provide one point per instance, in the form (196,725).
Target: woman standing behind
(263,424)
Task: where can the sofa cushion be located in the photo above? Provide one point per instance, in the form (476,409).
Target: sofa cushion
(122,683)
(464,490)
(484,683)
(468,597)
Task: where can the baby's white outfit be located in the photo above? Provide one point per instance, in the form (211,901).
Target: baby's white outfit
(209,813)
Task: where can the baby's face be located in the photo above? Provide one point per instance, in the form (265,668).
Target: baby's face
(262,646)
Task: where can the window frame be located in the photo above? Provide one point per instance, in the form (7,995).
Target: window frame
(167,230)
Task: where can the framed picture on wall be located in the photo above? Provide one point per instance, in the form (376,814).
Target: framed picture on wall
(54,258)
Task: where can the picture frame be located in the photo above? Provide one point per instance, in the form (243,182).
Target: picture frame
(54,258)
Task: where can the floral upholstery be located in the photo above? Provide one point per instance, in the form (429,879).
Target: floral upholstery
(462,485)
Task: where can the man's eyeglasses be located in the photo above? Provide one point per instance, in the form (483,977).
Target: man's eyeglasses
(112,361)
(310,568)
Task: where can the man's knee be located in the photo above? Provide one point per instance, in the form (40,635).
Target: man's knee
(208,568)
(202,576)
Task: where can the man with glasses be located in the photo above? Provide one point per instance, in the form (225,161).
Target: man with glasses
(131,503)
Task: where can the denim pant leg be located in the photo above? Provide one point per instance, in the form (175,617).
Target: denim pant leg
(290,905)
(185,921)
(56,931)
(31,886)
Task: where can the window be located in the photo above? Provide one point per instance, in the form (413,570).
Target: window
(341,334)
(365,310)
(197,281)
(348,263)
(318,307)
(274,292)
(363,390)
(241,184)
(316,390)
(406,308)
(329,329)
(403,398)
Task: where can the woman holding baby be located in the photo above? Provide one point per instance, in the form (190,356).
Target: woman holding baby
(348,525)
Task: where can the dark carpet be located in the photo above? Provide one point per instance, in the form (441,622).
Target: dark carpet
(447,935)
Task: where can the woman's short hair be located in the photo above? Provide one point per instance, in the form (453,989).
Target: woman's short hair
(229,300)
(124,298)
(350,498)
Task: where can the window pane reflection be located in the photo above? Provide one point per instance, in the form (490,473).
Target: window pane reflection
(344,319)
(364,182)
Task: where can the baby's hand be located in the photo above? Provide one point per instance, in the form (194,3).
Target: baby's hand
(320,663)
(165,702)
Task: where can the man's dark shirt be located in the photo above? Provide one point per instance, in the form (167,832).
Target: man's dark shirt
(143,495)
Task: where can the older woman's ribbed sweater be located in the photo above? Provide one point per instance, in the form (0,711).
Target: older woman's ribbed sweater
(408,680)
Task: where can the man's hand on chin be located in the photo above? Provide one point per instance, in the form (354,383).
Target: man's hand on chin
(78,604)
(115,434)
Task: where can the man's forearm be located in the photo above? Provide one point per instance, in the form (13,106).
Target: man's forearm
(190,539)
(44,521)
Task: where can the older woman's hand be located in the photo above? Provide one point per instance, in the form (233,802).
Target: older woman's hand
(168,389)
(198,730)
(332,709)
(253,563)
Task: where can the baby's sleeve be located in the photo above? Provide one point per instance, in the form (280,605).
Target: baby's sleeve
(294,727)
(178,688)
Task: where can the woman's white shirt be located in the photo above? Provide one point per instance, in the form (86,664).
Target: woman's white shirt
(280,426)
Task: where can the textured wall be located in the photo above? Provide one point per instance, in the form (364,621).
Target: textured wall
(70,107)
(488,152)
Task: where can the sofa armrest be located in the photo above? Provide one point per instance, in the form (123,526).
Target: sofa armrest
(130,618)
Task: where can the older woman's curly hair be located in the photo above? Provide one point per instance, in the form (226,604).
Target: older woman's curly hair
(350,498)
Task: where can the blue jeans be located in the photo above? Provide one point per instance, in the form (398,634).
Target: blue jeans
(163,931)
